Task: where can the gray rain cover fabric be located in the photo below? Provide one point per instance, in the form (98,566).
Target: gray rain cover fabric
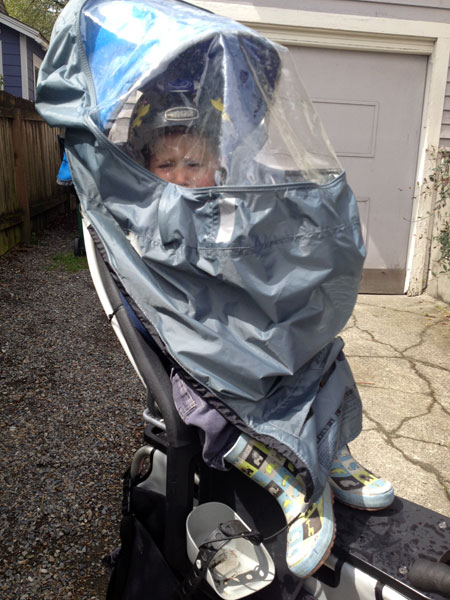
(249,280)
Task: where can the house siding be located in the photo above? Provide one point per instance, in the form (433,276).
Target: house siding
(11,61)
(415,10)
(445,131)
(11,67)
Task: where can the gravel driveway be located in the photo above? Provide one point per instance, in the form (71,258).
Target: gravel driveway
(70,422)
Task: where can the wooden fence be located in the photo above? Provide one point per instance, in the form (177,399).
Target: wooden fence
(29,163)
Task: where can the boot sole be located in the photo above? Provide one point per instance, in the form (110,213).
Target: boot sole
(365,508)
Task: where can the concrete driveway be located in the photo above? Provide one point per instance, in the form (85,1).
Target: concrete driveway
(399,350)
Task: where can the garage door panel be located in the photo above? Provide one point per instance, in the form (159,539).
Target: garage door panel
(353,126)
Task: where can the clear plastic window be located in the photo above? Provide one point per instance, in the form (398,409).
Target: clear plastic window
(181,93)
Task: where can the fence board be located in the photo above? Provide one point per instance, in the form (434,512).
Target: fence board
(29,162)
(8,194)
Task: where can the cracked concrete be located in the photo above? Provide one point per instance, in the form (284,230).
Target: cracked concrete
(399,351)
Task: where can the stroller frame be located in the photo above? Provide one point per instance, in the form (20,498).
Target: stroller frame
(374,553)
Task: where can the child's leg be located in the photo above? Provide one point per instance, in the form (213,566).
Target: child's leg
(311,536)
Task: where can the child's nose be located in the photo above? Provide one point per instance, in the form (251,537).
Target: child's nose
(181,177)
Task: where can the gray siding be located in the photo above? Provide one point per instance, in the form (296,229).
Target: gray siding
(12,72)
(445,131)
(11,60)
(416,10)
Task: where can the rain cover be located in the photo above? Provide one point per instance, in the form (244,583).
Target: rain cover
(248,274)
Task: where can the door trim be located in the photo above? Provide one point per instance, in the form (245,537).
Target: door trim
(372,34)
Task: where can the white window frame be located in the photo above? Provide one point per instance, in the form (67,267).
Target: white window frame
(37,62)
(24,67)
(371,34)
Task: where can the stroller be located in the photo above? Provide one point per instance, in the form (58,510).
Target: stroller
(237,281)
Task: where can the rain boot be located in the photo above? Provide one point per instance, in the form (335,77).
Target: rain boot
(357,487)
(311,535)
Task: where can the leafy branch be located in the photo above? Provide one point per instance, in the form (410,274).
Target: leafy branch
(39,14)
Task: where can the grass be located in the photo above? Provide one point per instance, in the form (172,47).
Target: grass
(68,262)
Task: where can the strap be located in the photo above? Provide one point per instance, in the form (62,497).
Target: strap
(119,577)
(114,312)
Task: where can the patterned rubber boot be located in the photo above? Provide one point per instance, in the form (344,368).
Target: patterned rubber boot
(357,487)
(311,536)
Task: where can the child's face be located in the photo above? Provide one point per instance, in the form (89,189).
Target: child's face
(185,159)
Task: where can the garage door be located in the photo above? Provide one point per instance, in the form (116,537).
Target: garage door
(371,105)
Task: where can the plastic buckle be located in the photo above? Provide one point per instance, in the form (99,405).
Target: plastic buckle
(206,553)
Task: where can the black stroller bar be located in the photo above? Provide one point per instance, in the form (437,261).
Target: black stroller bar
(177,441)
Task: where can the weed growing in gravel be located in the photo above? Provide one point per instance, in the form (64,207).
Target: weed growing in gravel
(68,262)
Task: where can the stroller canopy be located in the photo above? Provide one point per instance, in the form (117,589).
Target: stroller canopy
(130,62)
(245,280)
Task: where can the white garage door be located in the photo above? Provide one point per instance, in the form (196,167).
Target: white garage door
(371,105)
